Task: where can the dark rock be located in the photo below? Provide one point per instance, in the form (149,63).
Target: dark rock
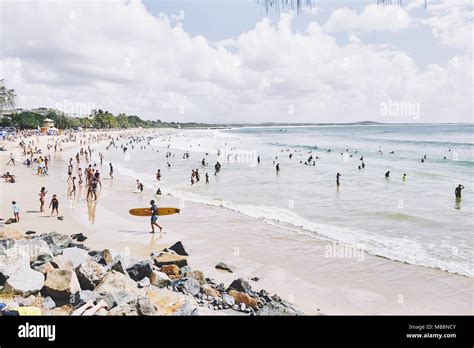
(89,273)
(140,270)
(79,237)
(61,283)
(279,308)
(80,246)
(255,279)
(97,256)
(118,298)
(242,286)
(116,265)
(54,238)
(179,249)
(164,259)
(30,232)
(224,267)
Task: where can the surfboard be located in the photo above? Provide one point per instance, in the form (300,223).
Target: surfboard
(147,211)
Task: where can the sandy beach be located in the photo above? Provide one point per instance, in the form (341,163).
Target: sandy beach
(307,276)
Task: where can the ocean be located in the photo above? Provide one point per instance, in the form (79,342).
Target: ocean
(417,220)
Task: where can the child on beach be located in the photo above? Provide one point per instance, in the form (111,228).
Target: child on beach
(16,211)
(54,204)
(42,195)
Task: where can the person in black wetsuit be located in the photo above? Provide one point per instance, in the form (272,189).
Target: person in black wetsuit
(457,191)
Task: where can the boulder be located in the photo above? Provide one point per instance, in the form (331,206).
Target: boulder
(140,270)
(61,284)
(192,286)
(109,255)
(145,282)
(34,248)
(242,286)
(228,300)
(164,259)
(224,267)
(145,307)
(183,271)
(178,248)
(159,279)
(11,263)
(79,237)
(187,308)
(6,244)
(209,291)
(114,281)
(89,274)
(119,298)
(59,261)
(166,301)
(117,265)
(83,296)
(54,238)
(279,308)
(10,233)
(75,255)
(43,267)
(48,303)
(241,297)
(97,257)
(172,271)
(198,275)
(24,282)
(124,310)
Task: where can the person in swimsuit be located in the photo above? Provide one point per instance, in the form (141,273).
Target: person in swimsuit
(54,205)
(154,217)
(42,195)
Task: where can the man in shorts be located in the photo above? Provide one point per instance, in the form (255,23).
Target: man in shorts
(154,217)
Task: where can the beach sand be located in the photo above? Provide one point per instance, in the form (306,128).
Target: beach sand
(294,265)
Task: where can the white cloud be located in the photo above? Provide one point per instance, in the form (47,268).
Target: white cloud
(372,18)
(119,57)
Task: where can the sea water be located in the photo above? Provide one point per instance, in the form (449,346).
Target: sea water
(416,220)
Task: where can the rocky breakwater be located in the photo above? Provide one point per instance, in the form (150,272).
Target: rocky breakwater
(54,274)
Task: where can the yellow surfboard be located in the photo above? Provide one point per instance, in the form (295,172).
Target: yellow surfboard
(147,211)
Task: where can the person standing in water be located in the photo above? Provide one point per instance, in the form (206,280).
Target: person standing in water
(207,178)
(42,195)
(111,172)
(154,217)
(338,175)
(404,178)
(277,167)
(387,175)
(457,191)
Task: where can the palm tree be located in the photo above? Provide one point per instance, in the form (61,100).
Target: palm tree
(7,96)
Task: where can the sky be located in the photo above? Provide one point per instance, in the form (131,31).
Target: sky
(225,61)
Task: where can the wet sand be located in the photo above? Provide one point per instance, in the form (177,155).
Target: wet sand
(286,261)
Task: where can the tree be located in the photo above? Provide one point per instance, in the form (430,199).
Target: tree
(7,96)
(123,121)
(27,120)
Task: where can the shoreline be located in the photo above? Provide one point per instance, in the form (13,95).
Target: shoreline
(315,283)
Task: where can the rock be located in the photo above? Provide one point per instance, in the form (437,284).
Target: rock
(187,309)
(43,267)
(75,255)
(125,310)
(145,307)
(192,286)
(117,265)
(209,291)
(79,237)
(34,248)
(255,279)
(224,267)
(242,306)
(28,301)
(97,257)
(140,270)
(11,263)
(109,255)
(172,271)
(89,274)
(228,300)
(54,238)
(183,272)
(59,261)
(48,303)
(119,298)
(61,284)
(235,307)
(6,244)
(164,259)
(159,279)
(145,282)
(79,246)
(241,297)
(83,296)
(166,301)
(114,281)
(279,308)
(24,282)
(10,233)
(178,248)
(241,286)
(30,232)
(198,275)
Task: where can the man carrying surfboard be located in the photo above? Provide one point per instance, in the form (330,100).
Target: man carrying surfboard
(154,217)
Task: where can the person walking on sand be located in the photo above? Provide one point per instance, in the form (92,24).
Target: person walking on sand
(154,217)
(42,195)
(16,211)
(111,172)
(54,205)
(12,159)
(73,191)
